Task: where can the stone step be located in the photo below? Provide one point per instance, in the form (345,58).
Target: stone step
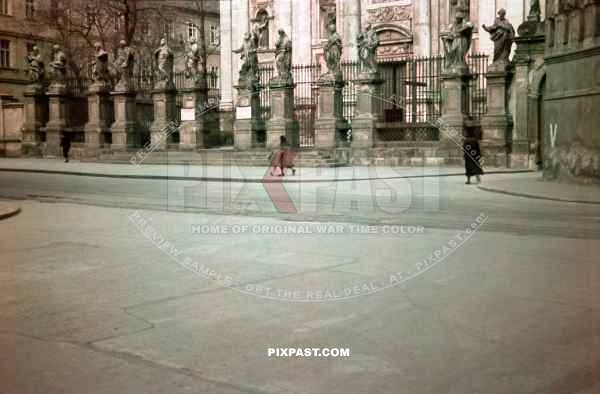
(259,158)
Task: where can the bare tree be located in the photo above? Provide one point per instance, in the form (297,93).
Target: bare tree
(78,24)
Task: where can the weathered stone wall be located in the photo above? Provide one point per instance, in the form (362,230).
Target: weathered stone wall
(11,121)
(571,117)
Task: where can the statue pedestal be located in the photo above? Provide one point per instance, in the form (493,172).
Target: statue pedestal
(248,121)
(455,102)
(164,117)
(282,120)
(36,114)
(123,130)
(98,118)
(364,123)
(330,122)
(57,120)
(191,132)
(497,124)
(529,56)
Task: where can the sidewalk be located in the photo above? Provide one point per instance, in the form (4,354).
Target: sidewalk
(228,173)
(8,209)
(533,186)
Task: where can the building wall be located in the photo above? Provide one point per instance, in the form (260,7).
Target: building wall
(22,32)
(406,27)
(572,98)
(415,25)
(19,32)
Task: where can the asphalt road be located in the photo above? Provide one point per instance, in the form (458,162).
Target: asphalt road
(444,203)
(97,295)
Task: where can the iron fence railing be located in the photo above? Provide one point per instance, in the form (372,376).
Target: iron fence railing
(477,102)
(409,105)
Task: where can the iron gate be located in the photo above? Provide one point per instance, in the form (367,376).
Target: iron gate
(305,99)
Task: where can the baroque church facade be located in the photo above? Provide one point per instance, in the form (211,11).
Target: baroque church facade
(405,28)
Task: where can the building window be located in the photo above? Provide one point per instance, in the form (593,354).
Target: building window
(119,22)
(5,7)
(29,9)
(4,53)
(145,28)
(214,35)
(169,31)
(213,77)
(192,31)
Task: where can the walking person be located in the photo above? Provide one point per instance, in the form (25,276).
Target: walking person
(283,158)
(65,142)
(472,155)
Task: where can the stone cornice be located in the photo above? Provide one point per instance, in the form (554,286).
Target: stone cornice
(572,55)
(26,36)
(572,94)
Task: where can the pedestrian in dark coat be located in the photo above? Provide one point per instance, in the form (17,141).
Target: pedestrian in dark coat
(65,142)
(472,155)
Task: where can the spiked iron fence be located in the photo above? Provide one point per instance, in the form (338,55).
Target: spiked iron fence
(409,105)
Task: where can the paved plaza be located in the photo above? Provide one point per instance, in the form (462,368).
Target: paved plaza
(115,285)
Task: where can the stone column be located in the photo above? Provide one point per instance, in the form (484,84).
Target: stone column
(191,132)
(454,108)
(282,120)
(248,122)
(423,27)
(497,123)
(283,19)
(226,68)
(487,14)
(98,124)
(57,120)
(364,123)
(123,130)
(351,20)
(301,32)
(164,116)
(575,27)
(36,115)
(240,24)
(529,56)
(591,18)
(330,123)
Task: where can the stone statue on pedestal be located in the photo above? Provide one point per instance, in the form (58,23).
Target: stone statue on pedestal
(35,63)
(333,53)
(367,43)
(124,66)
(164,58)
(283,59)
(194,67)
(58,65)
(457,42)
(260,32)
(503,34)
(249,70)
(534,9)
(100,72)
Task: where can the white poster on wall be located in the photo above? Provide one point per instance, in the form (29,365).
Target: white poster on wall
(188,114)
(243,113)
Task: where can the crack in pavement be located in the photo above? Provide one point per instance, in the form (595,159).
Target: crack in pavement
(140,360)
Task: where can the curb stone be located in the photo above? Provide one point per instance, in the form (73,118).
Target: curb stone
(8,209)
(535,196)
(287,179)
